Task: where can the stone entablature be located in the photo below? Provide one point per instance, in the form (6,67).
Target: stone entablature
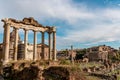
(28,24)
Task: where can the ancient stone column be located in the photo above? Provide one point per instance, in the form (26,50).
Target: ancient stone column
(3,50)
(6,42)
(54,46)
(25,43)
(50,46)
(35,46)
(16,44)
(72,60)
(43,52)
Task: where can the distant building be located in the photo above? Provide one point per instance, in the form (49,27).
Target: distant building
(46,51)
(99,53)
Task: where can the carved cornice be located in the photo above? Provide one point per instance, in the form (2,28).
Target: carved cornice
(29,24)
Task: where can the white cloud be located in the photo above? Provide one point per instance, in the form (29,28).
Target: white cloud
(98,25)
(112,14)
(104,27)
(61,9)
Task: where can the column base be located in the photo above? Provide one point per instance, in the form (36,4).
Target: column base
(34,59)
(5,62)
(50,59)
(55,59)
(15,60)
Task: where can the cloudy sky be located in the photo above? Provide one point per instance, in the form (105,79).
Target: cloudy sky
(81,23)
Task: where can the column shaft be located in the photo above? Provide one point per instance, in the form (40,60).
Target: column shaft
(43,53)
(25,44)
(35,46)
(6,42)
(16,44)
(4,37)
(50,46)
(54,45)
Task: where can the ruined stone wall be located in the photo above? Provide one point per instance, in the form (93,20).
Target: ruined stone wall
(46,53)
(39,52)
(93,56)
(98,53)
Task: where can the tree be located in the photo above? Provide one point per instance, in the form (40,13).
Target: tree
(80,53)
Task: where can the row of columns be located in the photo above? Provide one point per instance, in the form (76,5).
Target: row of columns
(7,42)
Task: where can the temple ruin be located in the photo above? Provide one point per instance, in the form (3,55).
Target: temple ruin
(28,24)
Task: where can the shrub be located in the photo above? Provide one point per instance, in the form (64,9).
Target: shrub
(65,62)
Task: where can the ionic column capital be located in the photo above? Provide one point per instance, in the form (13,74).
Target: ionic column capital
(15,28)
(42,32)
(49,32)
(5,25)
(34,30)
(25,29)
(54,31)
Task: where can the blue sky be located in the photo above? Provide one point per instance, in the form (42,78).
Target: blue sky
(81,23)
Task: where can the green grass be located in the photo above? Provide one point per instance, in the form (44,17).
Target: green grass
(90,64)
(92,78)
(65,62)
(118,77)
